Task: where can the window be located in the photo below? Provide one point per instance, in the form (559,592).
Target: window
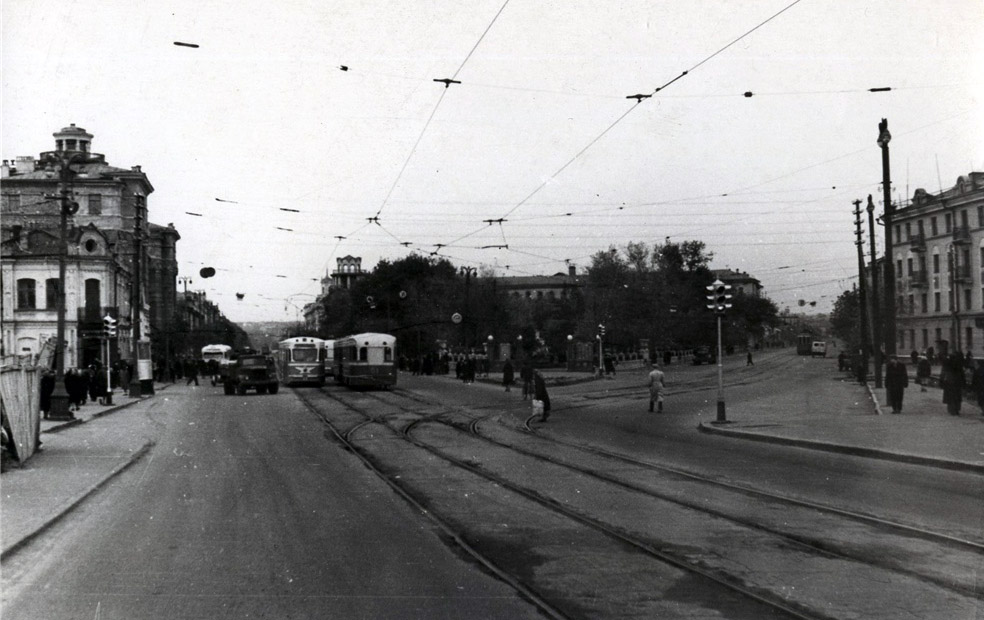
(908,231)
(936,263)
(898,268)
(922,265)
(363,354)
(939,334)
(898,232)
(936,302)
(932,226)
(964,220)
(51,294)
(980,216)
(25,294)
(967,298)
(387,354)
(970,339)
(95,204)
(948,222)
(92,298)
(949,301)
(912,338)
(911,308)
(921,228)
(909,265)
(925,338)
(925,303)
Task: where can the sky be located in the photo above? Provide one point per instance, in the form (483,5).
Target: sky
(302,131)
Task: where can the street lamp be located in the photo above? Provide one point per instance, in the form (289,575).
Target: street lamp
(59,397)
(884,137)
(875,302)
(489,353)
(570,352)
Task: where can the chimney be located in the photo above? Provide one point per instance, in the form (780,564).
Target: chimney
(571,271)
(24,163)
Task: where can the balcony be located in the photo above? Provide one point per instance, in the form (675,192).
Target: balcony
(962,275)
(918,279)
(917,242)
(961,235)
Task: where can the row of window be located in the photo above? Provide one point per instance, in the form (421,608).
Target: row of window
(908,306)
(917,265)
(934,225)
(94,203)
(968,342)
(27,293)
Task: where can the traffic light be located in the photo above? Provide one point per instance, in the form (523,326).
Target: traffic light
(109,326)
(720,298)
(601,328)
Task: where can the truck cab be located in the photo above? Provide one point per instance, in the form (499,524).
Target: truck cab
(252,372)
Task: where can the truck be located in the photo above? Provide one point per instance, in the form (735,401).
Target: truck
(252,372)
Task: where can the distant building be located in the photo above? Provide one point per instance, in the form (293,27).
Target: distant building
(347,272)
(741,283)
(556,286)
(939,262)
(101,252)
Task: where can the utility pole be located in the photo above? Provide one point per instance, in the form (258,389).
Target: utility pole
(884,137)
(876,336)
(134,387)
(862,370)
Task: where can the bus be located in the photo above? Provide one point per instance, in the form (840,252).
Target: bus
(366,360)
(301,360)
(216,358)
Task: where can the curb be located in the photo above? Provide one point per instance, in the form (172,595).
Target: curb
(107,411)
(72,504)
(885,455)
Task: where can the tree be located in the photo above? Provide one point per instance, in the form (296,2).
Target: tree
(845,321)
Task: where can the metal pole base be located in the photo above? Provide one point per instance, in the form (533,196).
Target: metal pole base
(60,408)
(721,417)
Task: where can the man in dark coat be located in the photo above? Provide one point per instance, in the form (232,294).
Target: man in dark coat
(952,382)
(896,380)
(923,372)
(540,393)
(526,376)
(508,376)
(978,384)
(47,389)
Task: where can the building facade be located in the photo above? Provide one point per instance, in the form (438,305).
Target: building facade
(939,269)
(109,216)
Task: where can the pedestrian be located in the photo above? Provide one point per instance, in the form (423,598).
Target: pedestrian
(657,384)
(977,383)
(923,372)
(609,365)
(508,376)
(73,385)
(842,360)
(526,376)
(914,356)
(540,393)
(191,371)
(47,388)
(952,382)
(748,359)
(896,380)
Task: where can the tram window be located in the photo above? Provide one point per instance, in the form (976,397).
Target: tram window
(363,354)
(387,354)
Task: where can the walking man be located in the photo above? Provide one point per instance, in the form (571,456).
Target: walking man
(508,377)
(923,371)
(896,380)
(657,384)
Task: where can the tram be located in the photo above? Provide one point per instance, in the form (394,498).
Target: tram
(216,358)
(301,360)
(366,360)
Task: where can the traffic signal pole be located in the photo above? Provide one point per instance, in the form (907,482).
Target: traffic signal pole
(720,300)
(721,417)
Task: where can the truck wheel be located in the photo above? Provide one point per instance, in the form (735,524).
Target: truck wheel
(228,389)
(261,389)
(240,390)
(274,388)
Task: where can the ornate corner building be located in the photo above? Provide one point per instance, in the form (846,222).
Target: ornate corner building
(103,235)
(939,269)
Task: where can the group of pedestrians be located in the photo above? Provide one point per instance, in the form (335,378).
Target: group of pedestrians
(953,380)
(81,384)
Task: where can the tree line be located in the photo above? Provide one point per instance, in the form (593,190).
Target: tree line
(654,292)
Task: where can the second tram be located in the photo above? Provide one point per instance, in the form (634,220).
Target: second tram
(301,360)
(366,360)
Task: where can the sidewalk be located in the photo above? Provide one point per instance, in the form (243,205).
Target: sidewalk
(77,458)
(842,416)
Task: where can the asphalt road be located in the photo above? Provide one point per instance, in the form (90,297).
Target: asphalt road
(244,509)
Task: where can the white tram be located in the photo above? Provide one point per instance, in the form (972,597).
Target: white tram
(367,360)
(301,360)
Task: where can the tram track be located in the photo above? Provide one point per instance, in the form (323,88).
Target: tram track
(899,534)
(406,421)
(405,431)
